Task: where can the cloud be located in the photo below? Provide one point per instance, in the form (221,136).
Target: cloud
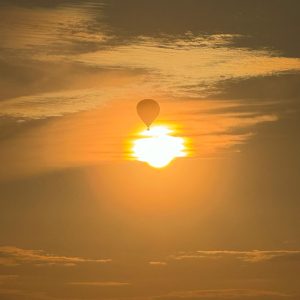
(63,27)
(100,283)
(11,256)
(216,294)
(260,88)
(75,40)
(157,263)
(189,65)
(225,294)
(72,64)
(98,135)
(36,295)
(266,26)
(10,293)
(51,104)
(251,256)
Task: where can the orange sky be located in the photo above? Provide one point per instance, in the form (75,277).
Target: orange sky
(82,218)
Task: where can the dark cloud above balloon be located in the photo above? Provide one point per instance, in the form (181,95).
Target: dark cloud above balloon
(260,23)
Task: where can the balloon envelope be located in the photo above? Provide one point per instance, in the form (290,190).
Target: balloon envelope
(148,110)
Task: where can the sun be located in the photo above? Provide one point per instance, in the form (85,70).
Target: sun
(158,147)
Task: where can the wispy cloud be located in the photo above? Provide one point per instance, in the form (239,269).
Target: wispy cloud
(251,256)
(51,28)
(10,256)
(189,65)
(75,36)
(215,294)
(10,293)
(158,263)
(52,104)
(238,294)
(100,283)
(225,294)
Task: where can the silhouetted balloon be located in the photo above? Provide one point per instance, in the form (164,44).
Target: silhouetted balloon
(148,110)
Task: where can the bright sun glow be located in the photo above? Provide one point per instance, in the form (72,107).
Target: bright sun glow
(158,148)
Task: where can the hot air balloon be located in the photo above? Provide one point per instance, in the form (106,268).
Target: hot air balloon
(148,110)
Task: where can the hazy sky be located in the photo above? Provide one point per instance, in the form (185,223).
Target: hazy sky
(80,219)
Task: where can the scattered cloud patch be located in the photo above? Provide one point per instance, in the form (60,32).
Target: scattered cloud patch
(189,66)
(157,263)
(11,256)
(8,293)
(52,104)
(225,294)
(251,256)
(100,283)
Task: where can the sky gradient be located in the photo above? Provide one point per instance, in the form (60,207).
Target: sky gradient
(81,219)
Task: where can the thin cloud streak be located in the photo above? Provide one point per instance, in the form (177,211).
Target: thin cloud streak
(50,29)
(253,256)
(52,104)
(100,283)
(13,256)
(24,294)
(238,294)
(158,263)
(225,294)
